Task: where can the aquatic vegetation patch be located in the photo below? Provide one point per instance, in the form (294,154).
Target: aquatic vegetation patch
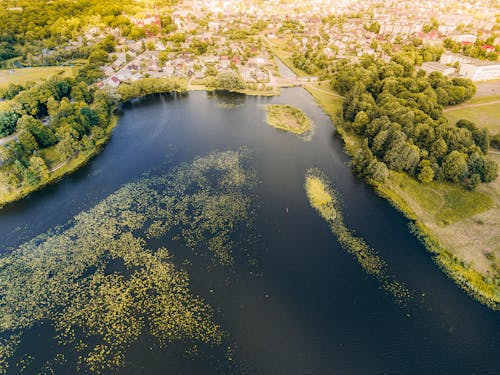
(325,201)
(288,118)
(100,287)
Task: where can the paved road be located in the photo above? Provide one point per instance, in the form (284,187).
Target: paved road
(7,139)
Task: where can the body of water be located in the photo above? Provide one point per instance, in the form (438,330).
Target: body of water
(302,304)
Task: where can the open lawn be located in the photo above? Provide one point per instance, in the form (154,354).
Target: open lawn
(328,99)
(484,116)
(21,76)
(476,238)
(484,111)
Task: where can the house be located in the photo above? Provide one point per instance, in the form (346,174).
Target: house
(225,63)
(114,82)
(464,38)
(119,61)
(108,71)
(488,48)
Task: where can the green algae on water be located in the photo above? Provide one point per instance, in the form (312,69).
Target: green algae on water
(324,200)
(99,286)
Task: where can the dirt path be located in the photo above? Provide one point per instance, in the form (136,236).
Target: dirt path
(58,167)
(322,90)
(471,105)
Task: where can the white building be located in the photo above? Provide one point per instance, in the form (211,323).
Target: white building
(432,66)
(475,69)
(481,72)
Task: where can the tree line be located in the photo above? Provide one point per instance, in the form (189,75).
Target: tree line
(397,112)
(34,30)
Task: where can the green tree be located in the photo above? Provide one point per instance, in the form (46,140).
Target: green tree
(378,171)
(7,155)
(455,166)
(65,148)
(38,168)
(26,139)
(44,136)
(229,80)
(8,121)
(490,171)
(362,159)
(426,173)
(374,27)
(360,122)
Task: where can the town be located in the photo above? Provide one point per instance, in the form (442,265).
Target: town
(196,40)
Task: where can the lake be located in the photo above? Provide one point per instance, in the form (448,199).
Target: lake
(291,300)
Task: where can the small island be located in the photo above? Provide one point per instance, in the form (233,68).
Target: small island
(288,118)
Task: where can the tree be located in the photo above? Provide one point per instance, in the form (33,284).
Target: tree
(65,148)
(378,171)
(362,159)
(473,181)
(455,166)
(26,139)
(426,173)
(88,117)
(360,122)
(374,27)
(38,168)
(8,121)
(11,91)
(433,25)
(7,155)
(229,80)
(98,57)
(438,148)
(44,136)
(490,171)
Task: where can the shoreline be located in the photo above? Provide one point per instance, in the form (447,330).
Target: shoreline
(83,158)
(71,166)
(467,278)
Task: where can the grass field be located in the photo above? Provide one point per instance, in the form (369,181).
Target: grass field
(328,99)
(483,111)
(21,76)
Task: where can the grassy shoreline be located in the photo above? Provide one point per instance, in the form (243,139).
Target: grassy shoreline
(476,284)
(71,166)
(85,156)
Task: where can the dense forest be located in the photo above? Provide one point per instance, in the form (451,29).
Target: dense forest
(61,115)
(35,29)
(398,113)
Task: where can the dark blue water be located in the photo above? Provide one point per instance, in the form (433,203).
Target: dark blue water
(307,307)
